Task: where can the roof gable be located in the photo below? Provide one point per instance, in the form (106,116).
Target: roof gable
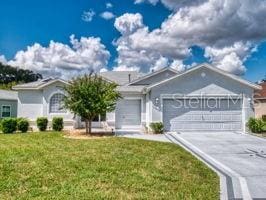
(215,69)
(37,85)
(141,80)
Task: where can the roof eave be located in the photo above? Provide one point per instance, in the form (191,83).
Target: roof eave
(39,87)
(24,88)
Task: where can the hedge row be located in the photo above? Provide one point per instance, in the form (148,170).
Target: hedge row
(11,125)
(57,123)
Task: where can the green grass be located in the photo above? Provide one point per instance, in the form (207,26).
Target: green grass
(48,166)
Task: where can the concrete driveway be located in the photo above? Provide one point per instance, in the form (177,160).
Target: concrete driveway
(139,135)
(239,158)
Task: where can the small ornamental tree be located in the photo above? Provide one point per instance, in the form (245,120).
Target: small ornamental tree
(89,96)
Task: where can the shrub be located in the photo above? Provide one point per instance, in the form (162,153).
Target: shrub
(9,125)
(42,123)
(22,125)
(255,125)
(157,127)
(57,123)
(264,118)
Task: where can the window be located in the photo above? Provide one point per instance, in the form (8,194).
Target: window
(56,103)
(99,117)
(96,118)
(6,111)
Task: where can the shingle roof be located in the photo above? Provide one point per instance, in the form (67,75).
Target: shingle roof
(8,95)
(145,76)
(121,77)
(131,89)
(37,84)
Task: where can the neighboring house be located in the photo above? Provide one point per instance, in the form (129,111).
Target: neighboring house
(201,98)
(8,103)
(260,101)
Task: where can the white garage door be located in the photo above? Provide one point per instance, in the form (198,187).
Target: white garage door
(199,114)
(128,113)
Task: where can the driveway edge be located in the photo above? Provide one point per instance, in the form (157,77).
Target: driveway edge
(223,178)
(226,185)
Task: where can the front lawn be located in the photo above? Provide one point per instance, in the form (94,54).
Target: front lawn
(48,166)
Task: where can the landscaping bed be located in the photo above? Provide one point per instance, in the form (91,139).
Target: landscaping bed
(49,166)
(81,134)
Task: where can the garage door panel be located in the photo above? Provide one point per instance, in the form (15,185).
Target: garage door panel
(128,113)
(226,116)
(205,126)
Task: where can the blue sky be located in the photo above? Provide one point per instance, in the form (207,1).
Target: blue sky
(24,23)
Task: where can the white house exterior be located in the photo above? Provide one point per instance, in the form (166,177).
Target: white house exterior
(201,98)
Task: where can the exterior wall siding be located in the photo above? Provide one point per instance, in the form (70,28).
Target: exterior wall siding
(260,108)
(30,104)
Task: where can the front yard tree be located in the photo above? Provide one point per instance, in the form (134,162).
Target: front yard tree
(89,96)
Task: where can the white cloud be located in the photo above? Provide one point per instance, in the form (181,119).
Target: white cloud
(173,4)
(125,68)
(160,63)
(230,58)
(63,60)
(3,59)
(103,70)
(219,26)
(108,5)
(107,15)
(178,65)
(138,48)
(153,2)
(128,23)
(87,16)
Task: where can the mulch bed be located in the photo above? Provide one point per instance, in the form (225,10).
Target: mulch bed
(81,134)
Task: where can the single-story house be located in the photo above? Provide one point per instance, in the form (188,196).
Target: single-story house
(8,103)
(260,101)
(200,98)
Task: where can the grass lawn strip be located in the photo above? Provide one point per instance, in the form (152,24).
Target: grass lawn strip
(48,166)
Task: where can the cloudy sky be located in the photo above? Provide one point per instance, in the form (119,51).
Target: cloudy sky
(70,37)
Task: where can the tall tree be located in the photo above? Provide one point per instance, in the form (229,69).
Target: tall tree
(89,96)
(10,75)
